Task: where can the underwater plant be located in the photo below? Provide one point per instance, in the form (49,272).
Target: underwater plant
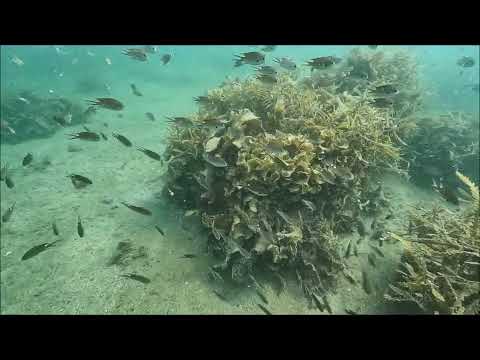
(441,264)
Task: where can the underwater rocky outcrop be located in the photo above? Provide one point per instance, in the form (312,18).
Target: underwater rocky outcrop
(26,116)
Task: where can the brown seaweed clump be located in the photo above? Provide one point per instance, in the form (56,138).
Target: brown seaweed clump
(276,172)
(441,265)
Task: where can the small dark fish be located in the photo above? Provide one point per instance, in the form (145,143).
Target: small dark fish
(86,128)
(37,250)
(103,136)
(268,48)
(3,171)
(166,58)
(385,90)
(55,229)
(261,296)
(381,102)
(373,47)
(323,62)
(373,224)
(150,116)
(135,90)
(366,283)
(137,209)
(60,120)
(80,230)
(251,58)
(220,296)
(466,61)
(122,139)
(90,111)
(327,304)
(349,247)
(136,54)
(188,256)
(79,181)
(8,213)
(377,250)
(372,259)
(355,250)
(361,227)
(107,103)
(9,181)
(151,49)
(350,278)
(267,79)
(267,70)
(350,312)
(159,230)
(140,278)
(85,135)
(202,100)
(180,121)
(317,302)
(150,153)
(286,63)
(389,216)
(264,309)
(27,159)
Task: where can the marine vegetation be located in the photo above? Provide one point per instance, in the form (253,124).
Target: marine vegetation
(441,264)
(277,171)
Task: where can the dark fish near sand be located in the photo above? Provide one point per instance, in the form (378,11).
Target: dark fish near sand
(80,230)
(37,250)
(151,49)
(166,58)
(385,90)
(180,121)
(317,302)
(466,61)
(137,209)
(261,295)
(140,278)
(104,137)
(349,247)
(372,260)
(188,256)
(327,304)
(350,312)
(8,213)
(322,62)
(122,139)
(79,181)
(377,250)
(3,172)
(136,54)
(286,63)
(267,70)
(250,58)
(60,120)
(55,229)
(151,154)
(366,283)
(219,295)
(266,79)
(373,47)
(361,227)
(150,116)
(135,90)
(381,102)
(214,160)
(107,103)
(159,230)
(9,182)
(201,100)
(264,309)
(27,159)
(85,135)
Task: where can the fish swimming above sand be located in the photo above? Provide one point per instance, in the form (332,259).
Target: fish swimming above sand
(268,48)
(180,121)
(151,154)
(188,256)
(386,89)
(85,135)
(27,159)
(34,251)
(466,61)
(80,230)
(266,70)
(160,230)
(135,54)
(106,103)
(122,139)
(267,79)
(264,309)
(137,209)
(250,58)
(55,228)
(165,59)
(286,63)
(150,116)
(139,278)
(79,181)
(8,213)
(135,90)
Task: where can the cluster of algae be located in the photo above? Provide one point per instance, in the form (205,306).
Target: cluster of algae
(441,264)
(277,172)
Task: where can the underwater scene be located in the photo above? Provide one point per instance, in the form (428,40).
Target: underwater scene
(240,179)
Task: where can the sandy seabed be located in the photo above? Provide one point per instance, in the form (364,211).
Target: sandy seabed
(73,277)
